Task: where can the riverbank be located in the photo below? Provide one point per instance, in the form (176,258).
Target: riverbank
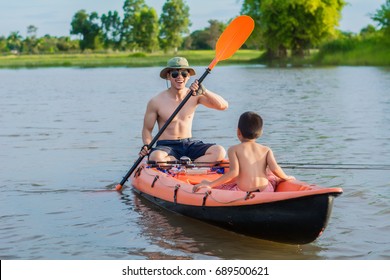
(361,55)
(123,59)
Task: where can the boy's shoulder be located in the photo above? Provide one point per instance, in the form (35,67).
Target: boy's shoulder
(235,147)
(260,148)
(244,145)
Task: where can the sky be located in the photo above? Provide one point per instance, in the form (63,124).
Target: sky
(53,17)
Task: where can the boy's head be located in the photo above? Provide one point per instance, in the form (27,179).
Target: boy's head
(250,125)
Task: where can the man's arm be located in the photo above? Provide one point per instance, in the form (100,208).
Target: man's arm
(209,98)
(150,119)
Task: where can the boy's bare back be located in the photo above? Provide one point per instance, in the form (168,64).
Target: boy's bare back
(249,160)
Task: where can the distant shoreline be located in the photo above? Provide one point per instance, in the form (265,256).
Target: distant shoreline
(121,59)
(365,57)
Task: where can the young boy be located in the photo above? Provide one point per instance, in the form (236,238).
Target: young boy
(248,160)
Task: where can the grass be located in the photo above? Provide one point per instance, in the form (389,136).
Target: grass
(373,51)
(123,59)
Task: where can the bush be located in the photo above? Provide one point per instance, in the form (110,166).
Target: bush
(139,54)
(340,45)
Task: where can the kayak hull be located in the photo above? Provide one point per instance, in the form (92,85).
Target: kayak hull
(286,215)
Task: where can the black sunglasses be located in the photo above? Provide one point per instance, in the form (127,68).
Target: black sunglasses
(175,73)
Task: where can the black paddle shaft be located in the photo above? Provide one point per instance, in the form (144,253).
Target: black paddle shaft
(161,131)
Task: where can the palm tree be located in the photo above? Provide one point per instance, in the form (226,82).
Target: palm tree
(14,42)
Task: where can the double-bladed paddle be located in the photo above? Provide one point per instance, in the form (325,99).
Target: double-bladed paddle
(232,38)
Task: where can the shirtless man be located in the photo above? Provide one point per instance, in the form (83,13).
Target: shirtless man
(248,160)
(175,142)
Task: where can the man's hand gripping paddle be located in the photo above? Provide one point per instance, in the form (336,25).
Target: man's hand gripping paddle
(232,38)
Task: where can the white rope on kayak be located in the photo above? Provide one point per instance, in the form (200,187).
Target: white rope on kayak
(175,188)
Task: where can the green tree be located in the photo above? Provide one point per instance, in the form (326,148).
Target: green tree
(3,45)
(65,44)
(14,42)
(32,31)
(296,24)
(88,27)
(214,31)
(174,24)
(146,31)
(31,42)
(252,8)
(207,38)
(382,17)
(198,40)
(111,29)
(131,21)
(367,31)
(47,44)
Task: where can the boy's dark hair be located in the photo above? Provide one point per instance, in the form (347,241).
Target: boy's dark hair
(250,125)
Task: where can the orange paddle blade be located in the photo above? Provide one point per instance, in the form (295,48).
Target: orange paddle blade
(232,38)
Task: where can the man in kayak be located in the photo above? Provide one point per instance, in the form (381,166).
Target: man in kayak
(249,161)
(175,142)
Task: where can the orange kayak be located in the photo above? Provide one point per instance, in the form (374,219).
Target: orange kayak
(296,213)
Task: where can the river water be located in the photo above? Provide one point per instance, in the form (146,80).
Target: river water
(66,134)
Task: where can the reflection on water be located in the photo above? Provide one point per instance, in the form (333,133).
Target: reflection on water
(179,237)
(66,133)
